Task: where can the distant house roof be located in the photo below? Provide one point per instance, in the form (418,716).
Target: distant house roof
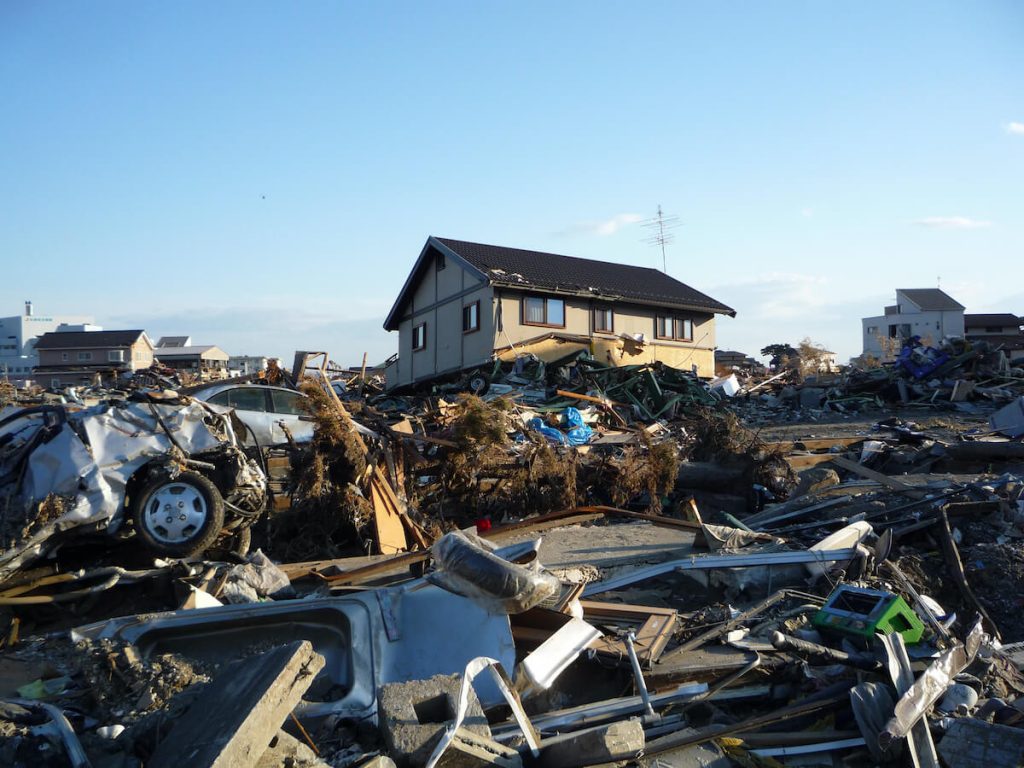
(205,352)
(931,299)
(174,341)
(554,273)
(1002,320)
(88,339)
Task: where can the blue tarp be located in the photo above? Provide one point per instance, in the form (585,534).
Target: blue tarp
(579,433)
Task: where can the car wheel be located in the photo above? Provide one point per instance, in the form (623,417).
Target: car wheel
(238,541)
(179,517)
(479,384)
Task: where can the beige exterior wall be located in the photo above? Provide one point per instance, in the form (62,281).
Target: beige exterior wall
(437,302)
(611,348)
(91,365)
(139,356)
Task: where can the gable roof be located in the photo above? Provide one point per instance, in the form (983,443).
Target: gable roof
(555,273)
(931,299)
(1002,320)
(88,339)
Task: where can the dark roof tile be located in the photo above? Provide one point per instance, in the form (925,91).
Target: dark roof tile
(569,274)
(87,339)
(931,299)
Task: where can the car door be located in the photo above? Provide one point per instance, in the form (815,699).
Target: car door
(288,409)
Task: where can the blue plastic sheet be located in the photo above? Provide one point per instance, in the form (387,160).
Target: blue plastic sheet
(552,434)
(579,433)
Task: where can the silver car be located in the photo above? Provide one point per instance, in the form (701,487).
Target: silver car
(264,409)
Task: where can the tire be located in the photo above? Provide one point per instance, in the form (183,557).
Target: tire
(479,385)
(179,517)
(239,541)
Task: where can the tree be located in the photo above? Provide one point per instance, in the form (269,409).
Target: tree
(814,358)
(782,355)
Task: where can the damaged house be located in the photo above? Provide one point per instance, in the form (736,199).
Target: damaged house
(465,303)
(930,313)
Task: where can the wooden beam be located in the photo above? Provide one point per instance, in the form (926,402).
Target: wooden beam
(815,444)
(802,461)
(878,477)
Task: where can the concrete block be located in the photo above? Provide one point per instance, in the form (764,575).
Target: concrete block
(414,714)
(285,751)
(973,743)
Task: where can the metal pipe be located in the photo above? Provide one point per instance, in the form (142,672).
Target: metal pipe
(638,674)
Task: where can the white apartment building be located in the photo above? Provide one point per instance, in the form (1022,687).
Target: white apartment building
(18,337)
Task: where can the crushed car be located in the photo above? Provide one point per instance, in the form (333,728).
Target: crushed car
(169,470)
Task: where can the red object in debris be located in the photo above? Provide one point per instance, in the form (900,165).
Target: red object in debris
(482,525)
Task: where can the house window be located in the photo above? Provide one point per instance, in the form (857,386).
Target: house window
(872,330)
(440,263)
(993,329)
(419,337)
(471,317)
(115,356)
(674,328)
(539,310)
(84,357)
(604,320)
(64,357)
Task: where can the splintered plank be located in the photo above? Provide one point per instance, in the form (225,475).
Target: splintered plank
(387,516)
(232,722)
(815,444)
(801,461)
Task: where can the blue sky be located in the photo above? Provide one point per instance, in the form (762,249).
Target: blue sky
(262,176)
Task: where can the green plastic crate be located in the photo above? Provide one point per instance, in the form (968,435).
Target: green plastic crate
(862,613)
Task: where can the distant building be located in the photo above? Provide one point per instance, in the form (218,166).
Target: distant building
(929,313)
(1000,330)
(85,358)
(727,361)
(246,365)
(19,334)
(205,362)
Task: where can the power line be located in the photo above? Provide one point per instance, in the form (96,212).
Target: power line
(662,226)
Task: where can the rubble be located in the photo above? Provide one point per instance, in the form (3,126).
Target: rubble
(555,564)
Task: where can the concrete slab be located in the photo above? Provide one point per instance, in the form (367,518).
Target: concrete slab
(609,547)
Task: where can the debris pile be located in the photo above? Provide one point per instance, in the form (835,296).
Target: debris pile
(556,564)
(960,376)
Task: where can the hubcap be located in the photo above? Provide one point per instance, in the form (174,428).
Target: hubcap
(175,513)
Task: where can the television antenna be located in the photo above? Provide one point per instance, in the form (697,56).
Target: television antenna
(661,227)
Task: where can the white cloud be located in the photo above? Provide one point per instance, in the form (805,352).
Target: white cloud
(603,227)
(776,295)
(952,222)
(1015,128)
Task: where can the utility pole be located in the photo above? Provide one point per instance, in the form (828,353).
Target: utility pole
(662,226)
